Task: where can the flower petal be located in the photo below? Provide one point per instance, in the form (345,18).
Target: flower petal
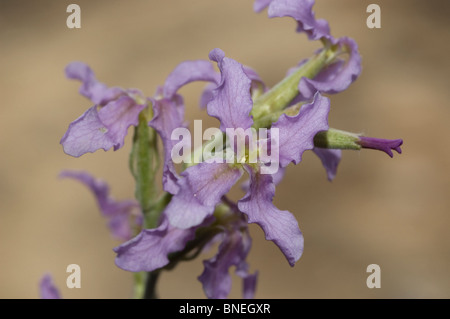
(201,188)
(168,115)
(101,129)
(281,227)
(118,212)
(296,133)
(150,249)
(301,11)
(330,160)
(91,88)
(232,101)
(47,289)
(233,251)
(336,77)
(189,71)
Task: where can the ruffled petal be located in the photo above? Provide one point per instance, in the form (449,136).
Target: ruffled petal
(201,188)
(233,251)
(232,101)
(150,249)
(257,84)
(330,160)
(168,115)
(101,129)
(91,88)
(296,133)
(119,213)
(189,71)
(47,289)
(281,227)
(336,77)
(301,11)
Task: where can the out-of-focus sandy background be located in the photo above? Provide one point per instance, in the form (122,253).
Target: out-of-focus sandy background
(391,212)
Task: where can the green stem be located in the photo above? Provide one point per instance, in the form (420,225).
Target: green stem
(285,91)
(144,163)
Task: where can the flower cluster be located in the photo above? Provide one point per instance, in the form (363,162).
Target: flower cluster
(193,211)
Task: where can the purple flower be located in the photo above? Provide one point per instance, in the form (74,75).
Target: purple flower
(47,288)
(337,76)
(123,216)
(168,106)
(105,124)
(202,186)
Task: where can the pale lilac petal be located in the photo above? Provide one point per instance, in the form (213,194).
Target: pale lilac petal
(260,5)
(207,95)
(168,115)
(149,250)
(101,129)
(189,71)
(233,251)
(257,84)
(119,213)
(296,133)
(336,77)
(281,227)
(201,188)
(91,88)
(301,11)
(232,101)
(47,288)
(330,160)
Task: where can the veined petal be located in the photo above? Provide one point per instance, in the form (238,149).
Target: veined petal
(118,212)
(233,251)
(301,11)
(330,160)
(118,115)
(201,188)
(150,249)
(91,88)
(296,133)
(189,71)
(281,227)
(336,77)
(47,288)
(101,129)
(168,115)
(257,84)
(232,101)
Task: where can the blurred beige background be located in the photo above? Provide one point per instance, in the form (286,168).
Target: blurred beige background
(391,212)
